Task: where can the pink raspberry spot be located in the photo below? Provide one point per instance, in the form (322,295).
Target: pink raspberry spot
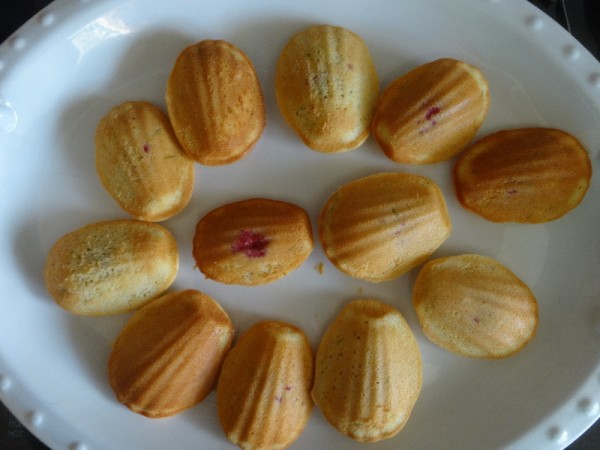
(432,111)
(254,245)
(146,148)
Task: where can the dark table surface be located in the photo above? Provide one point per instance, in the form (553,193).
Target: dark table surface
(580,17)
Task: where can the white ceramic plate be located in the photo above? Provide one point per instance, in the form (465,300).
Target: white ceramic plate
(66,67)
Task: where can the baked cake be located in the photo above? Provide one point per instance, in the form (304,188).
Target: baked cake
(215,102)
(168,356)
(326,88)
(111,267)
(253,241)
(378,227)
(474,306)
(140,162)
(263,395)
(368,371)
(527,175)
(432,112)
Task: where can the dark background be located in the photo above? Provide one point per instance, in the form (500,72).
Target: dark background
(580,17)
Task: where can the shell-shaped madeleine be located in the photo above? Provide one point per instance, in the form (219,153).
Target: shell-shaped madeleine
(168,356)
(111,267)
(378,227)
(368,371)
(253,241)
(326,88)
(263,395)
(527,175)
(474,306)
(215,102)
(432,112)
(140,162)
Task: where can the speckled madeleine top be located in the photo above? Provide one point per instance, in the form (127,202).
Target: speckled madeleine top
(326,88)
(368,371)
(474,306)
(111,267)
(140,162)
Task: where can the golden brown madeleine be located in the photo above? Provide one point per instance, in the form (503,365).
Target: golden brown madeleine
(253,241)
(215,102)
(263,395)
(432,112)
(368,371)
(527,175)
(474,306)
(378,227)
(168,356)
(326,88)
(140,162)
(111,267)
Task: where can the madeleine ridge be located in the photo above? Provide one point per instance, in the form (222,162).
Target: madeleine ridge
(168,356)
(326,88)
(526,175)
(378,227)
(432,112)
(215,102)
(474,306)
(368,371)
(263,394)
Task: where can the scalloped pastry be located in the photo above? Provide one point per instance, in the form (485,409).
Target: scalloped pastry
(368,371)
(263,395)
(168,356)
(527,175)
(378,227)
(474,306)
(432,112)
(215,102)
(326,88)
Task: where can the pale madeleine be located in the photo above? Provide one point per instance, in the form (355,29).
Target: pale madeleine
(474,306)
(326,88)
(111,267)
(368,371)
(140,162)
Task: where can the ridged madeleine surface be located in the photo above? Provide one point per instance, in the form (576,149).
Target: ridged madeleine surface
(215,102)
(140,162)
(527,175)
(432,112)
(253,241)
(378,227)
(368,371)
(168,356)
(326,88)
(474,306)
(111,267)
(263,395)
